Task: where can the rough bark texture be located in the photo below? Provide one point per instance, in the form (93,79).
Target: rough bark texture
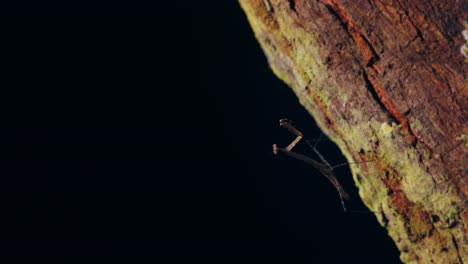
(385,80)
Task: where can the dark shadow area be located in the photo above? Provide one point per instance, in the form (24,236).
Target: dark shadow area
(152,136)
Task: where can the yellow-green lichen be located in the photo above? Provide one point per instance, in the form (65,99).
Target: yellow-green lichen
(463,137)
(464,48)
(387,129)
(417,184)
(292,52)
(324,97)
(294,56)
(416,124)
(304,50)
(358,139)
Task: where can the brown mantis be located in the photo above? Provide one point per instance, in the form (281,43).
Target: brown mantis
(323,167)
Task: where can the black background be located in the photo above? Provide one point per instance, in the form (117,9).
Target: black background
(152,135)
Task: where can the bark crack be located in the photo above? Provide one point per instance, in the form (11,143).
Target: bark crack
(457,249)
(292,5)
(342,39)
(386,102)
(353,30)
(418,31)
(376,96)
(268,6)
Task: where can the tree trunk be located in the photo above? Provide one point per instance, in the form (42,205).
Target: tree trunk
(385,80)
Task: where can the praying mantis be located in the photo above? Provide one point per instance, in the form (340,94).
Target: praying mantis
(323,167)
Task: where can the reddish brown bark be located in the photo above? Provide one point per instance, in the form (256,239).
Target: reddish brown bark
(386,80)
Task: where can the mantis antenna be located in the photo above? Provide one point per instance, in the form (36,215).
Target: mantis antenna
(323,167)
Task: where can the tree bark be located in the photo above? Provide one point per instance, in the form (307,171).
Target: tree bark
(386,81)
